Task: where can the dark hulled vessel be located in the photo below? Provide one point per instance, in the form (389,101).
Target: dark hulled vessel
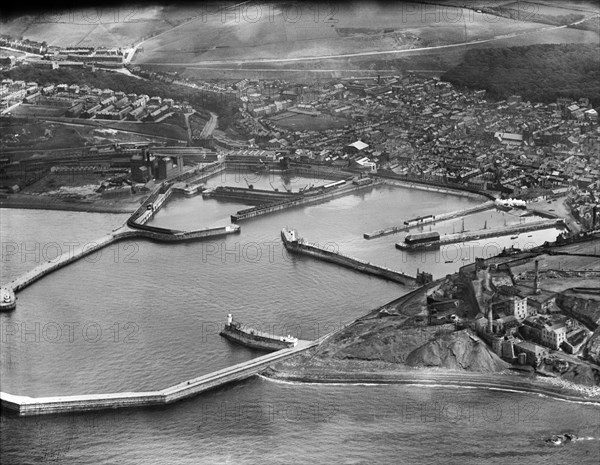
(250,337)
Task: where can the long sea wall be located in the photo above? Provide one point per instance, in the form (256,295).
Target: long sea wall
(24,405)
(313,250)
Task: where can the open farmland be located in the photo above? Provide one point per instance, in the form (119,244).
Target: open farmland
(347,28)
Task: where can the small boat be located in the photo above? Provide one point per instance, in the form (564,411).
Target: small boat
(449,261)
(514,237)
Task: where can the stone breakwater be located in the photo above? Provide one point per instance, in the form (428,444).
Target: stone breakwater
(25,406)
(135,227)
(313,250)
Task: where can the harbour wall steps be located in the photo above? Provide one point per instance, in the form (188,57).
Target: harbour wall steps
(24,405)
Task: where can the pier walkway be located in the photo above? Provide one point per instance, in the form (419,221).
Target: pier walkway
(496,232)
(24,405)
(433,219)
(62,260)
(305,248)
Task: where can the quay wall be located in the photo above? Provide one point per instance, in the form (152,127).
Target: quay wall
(315,170)
(446,188)
(202,174)
(352,263)
(467,236)
(434,219)
(157,204)
(249,194)
(307,200)
(25,406)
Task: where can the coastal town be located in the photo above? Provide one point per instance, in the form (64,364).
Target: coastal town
(419,128)
(412,127)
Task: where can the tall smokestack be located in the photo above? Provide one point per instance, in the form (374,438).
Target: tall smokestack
(536,278)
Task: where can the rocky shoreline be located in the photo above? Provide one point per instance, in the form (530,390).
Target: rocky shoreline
(301,370)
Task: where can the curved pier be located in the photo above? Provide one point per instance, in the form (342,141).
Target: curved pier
(62,260)
(24,405)
(76,253)
(135,227)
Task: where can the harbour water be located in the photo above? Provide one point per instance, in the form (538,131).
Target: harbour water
(142,315)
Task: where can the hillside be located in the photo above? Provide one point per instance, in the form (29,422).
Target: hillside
(540,73)
(456,351)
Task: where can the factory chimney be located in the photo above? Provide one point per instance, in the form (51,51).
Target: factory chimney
(536,278)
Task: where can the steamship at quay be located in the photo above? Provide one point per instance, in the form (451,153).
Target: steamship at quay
(251,337)
(420,241)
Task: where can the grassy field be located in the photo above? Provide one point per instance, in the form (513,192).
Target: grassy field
(257,32)
(309,122)
(37,111)
(349,29)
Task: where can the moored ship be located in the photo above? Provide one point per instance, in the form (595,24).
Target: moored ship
(8,301)
(250,337)
(422,241)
